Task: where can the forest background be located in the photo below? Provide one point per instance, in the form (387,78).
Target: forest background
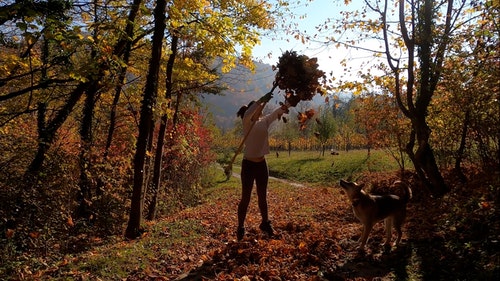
(104,123)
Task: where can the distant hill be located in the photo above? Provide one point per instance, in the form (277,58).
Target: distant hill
(243,86)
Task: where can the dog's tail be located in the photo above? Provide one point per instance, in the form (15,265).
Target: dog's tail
(406,189)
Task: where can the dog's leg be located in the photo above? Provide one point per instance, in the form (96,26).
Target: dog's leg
(388,232)
(400,233)
(364,236)
(398,223)
(397,227)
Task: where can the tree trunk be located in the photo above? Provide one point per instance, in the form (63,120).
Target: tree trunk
(429,75)
(112,115)
(133,229)
(47,134)
(424,160)
(461,148)
(420,40)
(44,140)
(148,167)
(155,185)
(163,129)
(85,196)
(425,156)
(125,46)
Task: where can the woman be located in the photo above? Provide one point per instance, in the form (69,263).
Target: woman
(254,165)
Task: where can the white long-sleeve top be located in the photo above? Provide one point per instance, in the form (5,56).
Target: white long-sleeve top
(257,142)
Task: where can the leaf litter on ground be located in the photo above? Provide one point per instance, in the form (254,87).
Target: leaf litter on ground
(316,239)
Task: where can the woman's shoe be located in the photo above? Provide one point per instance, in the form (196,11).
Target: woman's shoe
(240,232)
(267,228)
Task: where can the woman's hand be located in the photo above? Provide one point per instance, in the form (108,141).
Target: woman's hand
(285,107)
(267,97)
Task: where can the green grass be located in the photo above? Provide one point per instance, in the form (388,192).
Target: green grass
(122,259)
(310,167)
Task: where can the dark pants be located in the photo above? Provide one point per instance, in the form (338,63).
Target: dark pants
(250,172)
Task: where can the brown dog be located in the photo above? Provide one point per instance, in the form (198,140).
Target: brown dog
(370,209)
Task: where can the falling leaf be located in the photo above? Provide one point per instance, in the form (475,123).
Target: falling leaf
(302,117)
(310,113)
(64,262)
(303,247)
(485,205)
(9,233)
(70,221)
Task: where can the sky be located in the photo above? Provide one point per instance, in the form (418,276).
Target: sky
(314,13)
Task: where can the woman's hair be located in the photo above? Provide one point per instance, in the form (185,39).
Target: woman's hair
(243,109)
